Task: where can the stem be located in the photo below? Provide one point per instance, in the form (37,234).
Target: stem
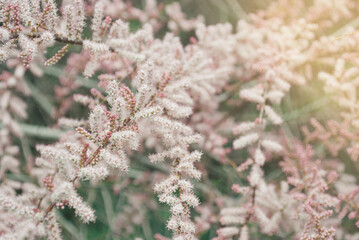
(180,190)
(58,38)
(249,214)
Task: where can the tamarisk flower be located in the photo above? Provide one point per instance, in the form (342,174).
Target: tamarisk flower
(334,135)
(176,190)
(12,107)
(74,15)
(97,20)
(96,49)
(178,19)
(66,192)
(310,183)
(272,74)
(337,135)
(18,215)
(179,222)
(53,228)
(156,95)
(252,132)
(24,22)
(113,129)
(54,59)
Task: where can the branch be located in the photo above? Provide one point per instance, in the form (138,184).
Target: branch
(58,38)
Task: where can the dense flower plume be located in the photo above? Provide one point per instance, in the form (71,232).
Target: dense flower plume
(185,130)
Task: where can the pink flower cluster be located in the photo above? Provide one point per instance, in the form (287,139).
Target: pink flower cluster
(223,99)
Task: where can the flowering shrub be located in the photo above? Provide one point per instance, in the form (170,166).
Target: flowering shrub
(127,122)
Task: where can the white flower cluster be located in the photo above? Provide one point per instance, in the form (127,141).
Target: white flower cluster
(162,97)
(66,192)
(253,132)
